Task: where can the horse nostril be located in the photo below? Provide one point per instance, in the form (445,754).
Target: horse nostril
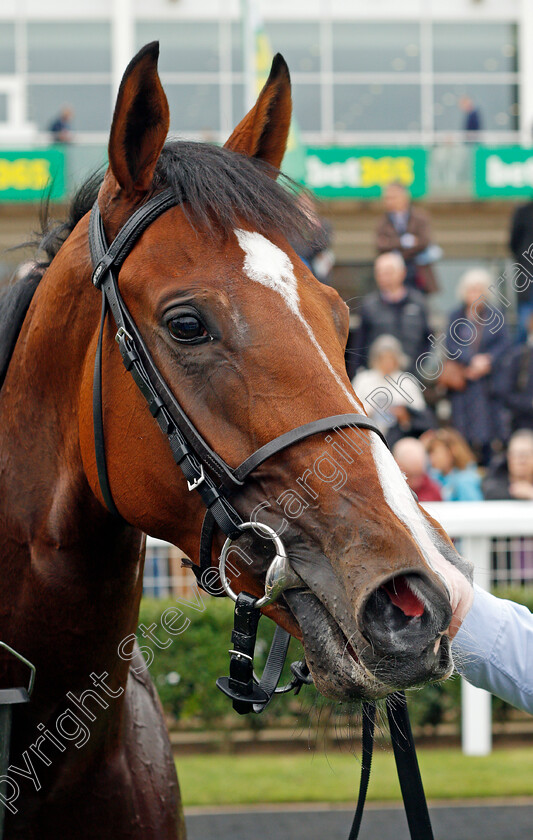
(404,616)
(383,616)
(403,597)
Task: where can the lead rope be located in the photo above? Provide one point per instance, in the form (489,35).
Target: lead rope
(403,745)
(414,798)
(369,719)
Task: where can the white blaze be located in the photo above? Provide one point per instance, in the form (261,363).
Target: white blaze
(399,498)
(267,264)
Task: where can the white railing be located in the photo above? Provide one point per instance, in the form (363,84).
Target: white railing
(497,537)
(490,535)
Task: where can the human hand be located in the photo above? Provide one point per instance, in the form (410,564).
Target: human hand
(408,240)
(480,366)
(401,414)
(460,590)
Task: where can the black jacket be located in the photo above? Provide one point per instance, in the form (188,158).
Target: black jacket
(513,385)
(405,320)
(521,239)
(496,482)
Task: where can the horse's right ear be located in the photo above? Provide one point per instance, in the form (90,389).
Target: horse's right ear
(264,131)
(140,123)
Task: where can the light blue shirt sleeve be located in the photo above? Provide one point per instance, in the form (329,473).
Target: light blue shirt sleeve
(494,649)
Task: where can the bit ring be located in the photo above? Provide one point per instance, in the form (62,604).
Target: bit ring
(270,534)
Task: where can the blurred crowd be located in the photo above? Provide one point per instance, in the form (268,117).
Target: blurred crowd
(457,407)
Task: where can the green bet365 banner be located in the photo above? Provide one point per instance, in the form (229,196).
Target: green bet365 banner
(506,171)
(341,172)
(25,176)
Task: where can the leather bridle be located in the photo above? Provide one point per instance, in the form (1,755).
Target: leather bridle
(214,480)
(206,472)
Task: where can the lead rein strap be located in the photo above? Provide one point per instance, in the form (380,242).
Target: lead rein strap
(414,798)
(369,718)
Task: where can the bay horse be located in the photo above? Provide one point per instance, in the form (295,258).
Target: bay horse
(252,346)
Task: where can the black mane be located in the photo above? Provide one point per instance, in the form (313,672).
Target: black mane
(220,189)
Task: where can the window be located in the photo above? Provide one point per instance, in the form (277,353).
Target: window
(352,77)
(299,44)
(91,105)
(187,46)
(306,105)
(7,47)
(497,105)
(236,47)
(194,108)
(237,99)
(376,107)
(74,47)
(376,47)
(474,48)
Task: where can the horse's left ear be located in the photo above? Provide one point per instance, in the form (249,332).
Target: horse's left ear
(140,123)
(264,130)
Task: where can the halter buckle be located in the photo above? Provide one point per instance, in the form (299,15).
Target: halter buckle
(195,483)
(123,333)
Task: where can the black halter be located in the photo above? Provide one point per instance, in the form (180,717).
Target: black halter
(209,475)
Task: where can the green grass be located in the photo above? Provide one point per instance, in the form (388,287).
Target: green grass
(447,774)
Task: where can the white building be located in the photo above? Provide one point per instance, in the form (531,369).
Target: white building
(364,71)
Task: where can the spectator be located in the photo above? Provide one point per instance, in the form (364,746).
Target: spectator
(513,382)
(394,310)
(317,253)
(406,230)
(475,348)
(411,457)
(472,121)
(511,476)
(61,127)
(398,411)
(453,466)
(519,243)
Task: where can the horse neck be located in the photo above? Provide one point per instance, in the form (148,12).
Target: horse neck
(69,568)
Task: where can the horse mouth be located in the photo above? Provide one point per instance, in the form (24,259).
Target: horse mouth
(332,659)
(345,665)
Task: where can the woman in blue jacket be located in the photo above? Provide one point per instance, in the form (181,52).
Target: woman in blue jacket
(453,466)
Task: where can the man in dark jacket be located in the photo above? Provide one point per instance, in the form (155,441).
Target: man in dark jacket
(519,243)
(472,120)
(394,309)
(406,230)
(513,382)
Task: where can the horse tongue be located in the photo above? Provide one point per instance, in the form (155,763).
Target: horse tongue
(403,597)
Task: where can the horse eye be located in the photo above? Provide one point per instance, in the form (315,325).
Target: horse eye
(186,328)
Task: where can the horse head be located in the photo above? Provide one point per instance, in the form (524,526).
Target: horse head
(252,346)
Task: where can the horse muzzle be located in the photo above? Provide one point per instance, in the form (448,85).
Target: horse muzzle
(404,620)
